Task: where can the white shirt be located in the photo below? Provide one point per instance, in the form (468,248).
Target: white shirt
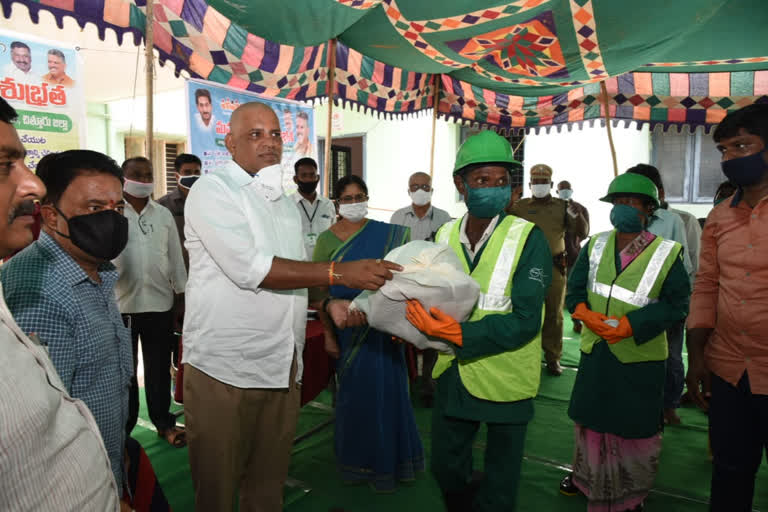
(151,266)
(205,127)
(670,226)
(464,239)
(11,71)
(235,331)
(316,217)
(693,236)
(51,453)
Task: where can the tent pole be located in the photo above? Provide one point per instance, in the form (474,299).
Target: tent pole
(329,124)
(149,43)
(435,104)
(604,97)
(514,152)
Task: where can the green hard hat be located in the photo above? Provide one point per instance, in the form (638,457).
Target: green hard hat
(485,148)
(629,183)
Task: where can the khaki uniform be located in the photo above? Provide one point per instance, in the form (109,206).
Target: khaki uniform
(551,216)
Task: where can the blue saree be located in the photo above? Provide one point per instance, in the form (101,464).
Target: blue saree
(376,439)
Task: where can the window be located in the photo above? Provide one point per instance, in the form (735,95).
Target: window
(164,154)
(689,164)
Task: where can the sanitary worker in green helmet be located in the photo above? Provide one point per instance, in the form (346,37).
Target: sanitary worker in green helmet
(494,375)
(628,286)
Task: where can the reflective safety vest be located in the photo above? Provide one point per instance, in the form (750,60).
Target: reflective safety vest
(512,375)
(635,287)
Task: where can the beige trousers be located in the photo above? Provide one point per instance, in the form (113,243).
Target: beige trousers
(552,331)
(239,440)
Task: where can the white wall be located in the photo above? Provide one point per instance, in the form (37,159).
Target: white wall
(395,149)
(583,157)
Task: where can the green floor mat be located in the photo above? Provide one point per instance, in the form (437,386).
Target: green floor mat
(682,484)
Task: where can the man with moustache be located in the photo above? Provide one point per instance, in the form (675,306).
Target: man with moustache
(246,313)
(20,67)
(65,465)
(62,289)
(57,69)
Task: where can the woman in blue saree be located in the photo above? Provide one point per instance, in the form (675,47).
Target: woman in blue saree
(376,439)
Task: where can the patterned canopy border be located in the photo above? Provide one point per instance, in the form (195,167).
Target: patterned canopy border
(197,38)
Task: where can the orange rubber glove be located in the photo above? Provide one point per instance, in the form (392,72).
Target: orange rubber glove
(620,332)
(593,320)
(435,323)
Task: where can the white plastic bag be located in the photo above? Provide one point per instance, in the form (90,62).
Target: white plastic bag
(433,274)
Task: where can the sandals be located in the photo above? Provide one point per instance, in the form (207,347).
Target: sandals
(176,437)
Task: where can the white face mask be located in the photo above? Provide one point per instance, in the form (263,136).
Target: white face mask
(271,180)
(138,188)
(354,212)
(565,193)
(421,197)
(540,190)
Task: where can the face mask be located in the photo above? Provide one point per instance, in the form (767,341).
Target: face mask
(271,179)
(307,187)
(420,197)
(744,171)
(565,193)
(138,188)
(625,219)
(103,235)
(354,212)
(540,190)
(187,181)
(485,203)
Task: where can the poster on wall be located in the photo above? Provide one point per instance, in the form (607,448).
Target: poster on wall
(42,80)
(210,107)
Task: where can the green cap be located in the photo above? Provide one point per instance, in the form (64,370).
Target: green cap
(630,183)
(486,147)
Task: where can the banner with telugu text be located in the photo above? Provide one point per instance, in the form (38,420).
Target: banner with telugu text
(209,108)
(42,80)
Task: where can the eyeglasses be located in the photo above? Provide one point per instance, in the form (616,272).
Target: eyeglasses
(425,187)
(359,198)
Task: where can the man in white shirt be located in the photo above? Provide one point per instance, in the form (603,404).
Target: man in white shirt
(150,295)
(51,453)
(245,319)
(317,212)
(204,118)
(669,225)
(20,67)
(423,218)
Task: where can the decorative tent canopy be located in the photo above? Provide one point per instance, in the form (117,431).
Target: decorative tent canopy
(508,65)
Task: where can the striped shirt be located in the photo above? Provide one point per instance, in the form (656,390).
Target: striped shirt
(77,319)
(51,453)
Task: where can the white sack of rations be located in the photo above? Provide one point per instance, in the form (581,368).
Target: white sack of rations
(432,274)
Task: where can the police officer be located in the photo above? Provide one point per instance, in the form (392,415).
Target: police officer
(555,217)
(495,372)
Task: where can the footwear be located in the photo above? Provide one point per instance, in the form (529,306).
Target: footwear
(567,486)
(671,417)
(554,368)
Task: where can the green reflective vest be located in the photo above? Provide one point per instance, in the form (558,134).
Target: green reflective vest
(635,287)
(512,375)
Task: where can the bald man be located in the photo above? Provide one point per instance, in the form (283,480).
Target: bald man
(423,218)
(246,313)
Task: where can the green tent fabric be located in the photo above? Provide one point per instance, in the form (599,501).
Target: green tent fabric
(507,65)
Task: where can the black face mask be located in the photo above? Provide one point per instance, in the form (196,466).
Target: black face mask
(307,187)
(103,235)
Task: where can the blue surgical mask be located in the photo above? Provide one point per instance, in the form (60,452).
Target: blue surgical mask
(486,203)
(565,193)
(744,171)
(625,219)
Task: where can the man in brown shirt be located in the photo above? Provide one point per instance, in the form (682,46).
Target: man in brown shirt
(187,172)
(727,344)
(572,241)
(57,69)
(555,217)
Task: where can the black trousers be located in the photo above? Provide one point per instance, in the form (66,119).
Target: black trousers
(738,422)
(157,338)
